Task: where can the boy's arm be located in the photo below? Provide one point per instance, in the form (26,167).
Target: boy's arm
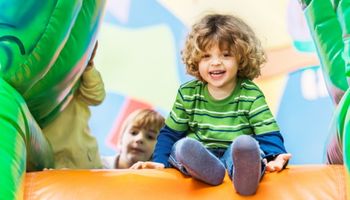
(272,145)
(165,141)
(268,135)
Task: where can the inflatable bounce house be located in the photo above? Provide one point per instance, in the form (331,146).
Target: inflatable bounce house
(46,45)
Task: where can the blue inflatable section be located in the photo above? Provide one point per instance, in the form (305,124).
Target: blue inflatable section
(103,118)
(304,119)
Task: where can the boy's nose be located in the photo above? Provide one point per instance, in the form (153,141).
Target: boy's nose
(216,61)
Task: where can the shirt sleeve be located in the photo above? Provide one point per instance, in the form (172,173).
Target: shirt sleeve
(165,141)
(260,116)
(178,118)
(91,89)
(271,144)
(266,130)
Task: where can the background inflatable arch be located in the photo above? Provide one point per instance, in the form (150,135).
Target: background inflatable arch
(37,80)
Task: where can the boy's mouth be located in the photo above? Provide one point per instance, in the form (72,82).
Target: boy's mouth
(217,73)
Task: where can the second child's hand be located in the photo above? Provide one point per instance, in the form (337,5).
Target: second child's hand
(147,165)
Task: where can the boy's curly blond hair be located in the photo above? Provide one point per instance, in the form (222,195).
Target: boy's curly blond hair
(227,31)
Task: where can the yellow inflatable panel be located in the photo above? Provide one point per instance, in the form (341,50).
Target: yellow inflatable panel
(295,182)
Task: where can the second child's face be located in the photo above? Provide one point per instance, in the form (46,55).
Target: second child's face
(219,69)
(138,143)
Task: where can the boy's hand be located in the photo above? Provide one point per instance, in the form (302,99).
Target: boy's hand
(278,163)
(147,165)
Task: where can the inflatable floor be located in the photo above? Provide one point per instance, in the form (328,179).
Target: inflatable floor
(296,182)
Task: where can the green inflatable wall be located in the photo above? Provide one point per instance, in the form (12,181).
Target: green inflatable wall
(44,48)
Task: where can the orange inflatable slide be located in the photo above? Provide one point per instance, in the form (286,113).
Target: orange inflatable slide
(295,183)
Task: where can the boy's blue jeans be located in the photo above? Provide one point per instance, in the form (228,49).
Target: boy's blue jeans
(224,155)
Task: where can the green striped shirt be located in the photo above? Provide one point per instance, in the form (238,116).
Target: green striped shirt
(216,123)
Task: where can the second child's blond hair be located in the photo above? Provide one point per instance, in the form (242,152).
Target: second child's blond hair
(144,118)
(229,32)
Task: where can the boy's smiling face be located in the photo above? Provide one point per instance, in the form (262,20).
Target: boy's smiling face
(218,67)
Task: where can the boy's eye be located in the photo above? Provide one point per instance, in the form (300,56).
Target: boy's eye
(133,132)
(205,56)
(226,54)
